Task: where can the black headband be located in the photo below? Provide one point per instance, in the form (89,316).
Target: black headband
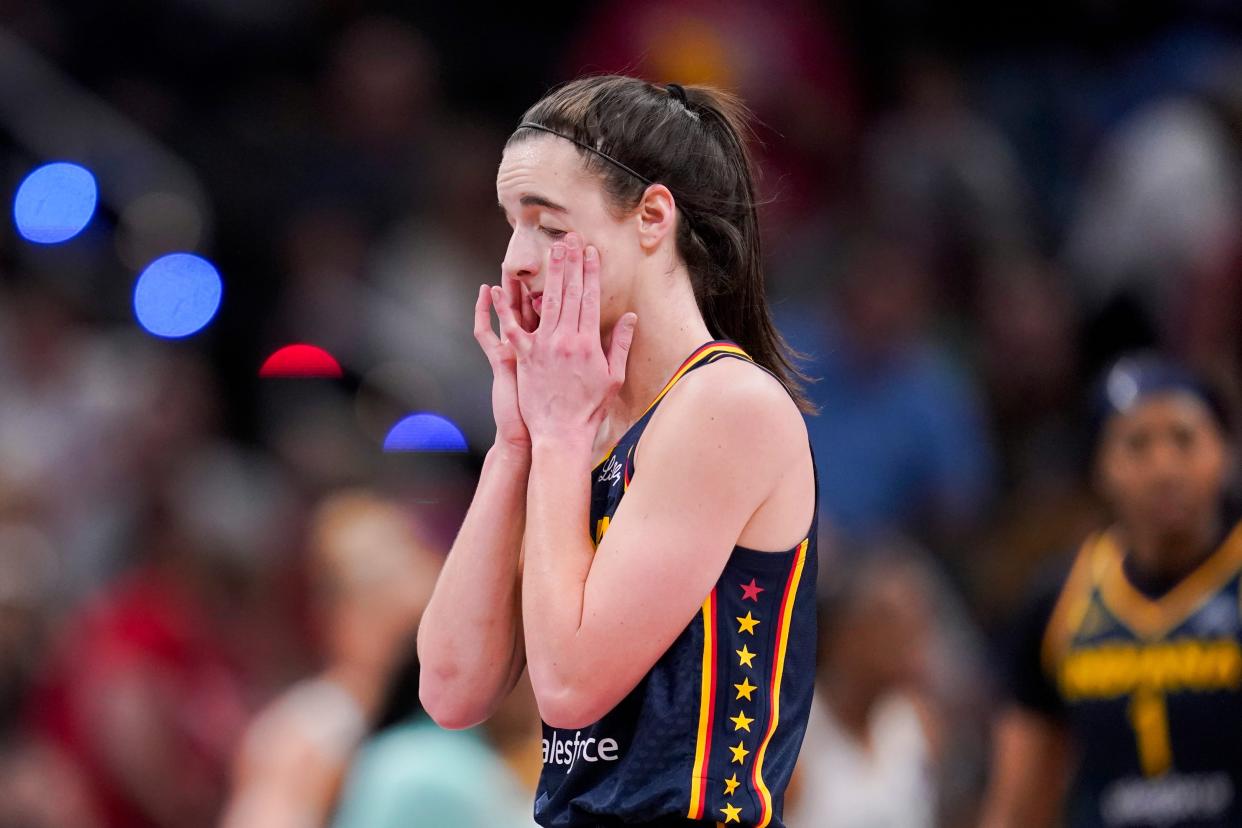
(588,148)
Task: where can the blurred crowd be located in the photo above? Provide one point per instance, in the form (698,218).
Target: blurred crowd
(209,581)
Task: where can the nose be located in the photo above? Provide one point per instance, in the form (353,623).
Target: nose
(522,258)
(1167,461)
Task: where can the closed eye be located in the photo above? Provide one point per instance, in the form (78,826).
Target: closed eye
(552,231)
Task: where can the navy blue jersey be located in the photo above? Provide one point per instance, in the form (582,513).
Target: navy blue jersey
(1151,688)
(711,733)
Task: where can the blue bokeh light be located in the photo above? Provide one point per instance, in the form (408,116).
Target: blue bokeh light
(177,295)
(425,432)
(55,202)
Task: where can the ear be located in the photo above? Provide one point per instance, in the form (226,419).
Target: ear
(657,217)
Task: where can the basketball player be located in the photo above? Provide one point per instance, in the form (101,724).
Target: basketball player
(643,534)
(1128,673)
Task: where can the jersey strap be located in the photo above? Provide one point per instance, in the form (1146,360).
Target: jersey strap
(703,355)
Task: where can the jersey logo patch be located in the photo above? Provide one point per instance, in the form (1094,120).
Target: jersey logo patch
(611,473)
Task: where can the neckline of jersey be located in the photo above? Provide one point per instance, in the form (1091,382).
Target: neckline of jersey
(1150,616)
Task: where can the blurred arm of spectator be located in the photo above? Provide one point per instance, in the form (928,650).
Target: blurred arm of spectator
(287,774)
(1031,750)
(372,579)
(1030,771)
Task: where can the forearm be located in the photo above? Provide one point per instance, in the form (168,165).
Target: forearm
(469,644)
(558,560)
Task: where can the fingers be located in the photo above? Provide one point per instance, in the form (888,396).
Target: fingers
(513,294)
(510,328)
(619,347)
(530,320)
(483,332)
(571,305)
(519,297)
(588,321)
(553,288)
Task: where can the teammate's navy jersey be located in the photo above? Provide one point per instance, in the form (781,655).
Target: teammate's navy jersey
(712,732)
(1151,689)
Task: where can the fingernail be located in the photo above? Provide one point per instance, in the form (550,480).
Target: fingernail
(573,241)
(589,254)
(558,251)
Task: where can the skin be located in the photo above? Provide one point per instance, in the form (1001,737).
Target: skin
(616,316)
(1162,467)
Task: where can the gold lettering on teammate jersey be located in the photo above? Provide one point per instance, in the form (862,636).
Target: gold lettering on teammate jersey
(1116,669)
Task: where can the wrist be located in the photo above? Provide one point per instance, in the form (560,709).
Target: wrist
(572,449)
(510,454)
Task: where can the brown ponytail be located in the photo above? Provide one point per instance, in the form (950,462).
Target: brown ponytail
(693,140)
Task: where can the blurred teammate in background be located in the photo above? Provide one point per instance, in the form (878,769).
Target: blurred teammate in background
(1127,675)
(371,579)
(663,598)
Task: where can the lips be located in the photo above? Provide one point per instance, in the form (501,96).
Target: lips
(536,301)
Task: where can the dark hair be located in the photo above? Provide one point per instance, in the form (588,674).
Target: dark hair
(1136,376)
(693,140)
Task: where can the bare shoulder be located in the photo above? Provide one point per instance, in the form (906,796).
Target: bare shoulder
(737,401)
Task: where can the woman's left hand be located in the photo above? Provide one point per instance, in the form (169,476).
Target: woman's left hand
(564,377)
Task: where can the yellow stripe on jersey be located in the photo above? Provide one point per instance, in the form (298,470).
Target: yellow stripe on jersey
(707,702)
(1152,618)
(778,671)
(1071,607)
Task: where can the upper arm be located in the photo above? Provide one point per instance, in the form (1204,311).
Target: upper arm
(709,461)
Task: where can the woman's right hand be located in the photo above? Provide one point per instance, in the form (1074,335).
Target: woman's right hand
(510,429)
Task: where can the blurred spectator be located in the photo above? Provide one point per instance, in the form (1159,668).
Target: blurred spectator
(41,788)
(69,396)
(30,767)
(146,688)
(942,175)
(372,577)
(377,101)
(788,61)
(1027,329)
(27,585)
(325,249)
(425,276)
(884,747)
(413,773)
(1156,226)
(901,436)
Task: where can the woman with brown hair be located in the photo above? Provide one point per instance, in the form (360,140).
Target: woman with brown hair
(643,533)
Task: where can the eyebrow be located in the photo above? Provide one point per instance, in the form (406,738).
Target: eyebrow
(531,200)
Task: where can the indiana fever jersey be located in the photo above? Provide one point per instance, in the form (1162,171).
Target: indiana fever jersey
(712,732)
(1152,689)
